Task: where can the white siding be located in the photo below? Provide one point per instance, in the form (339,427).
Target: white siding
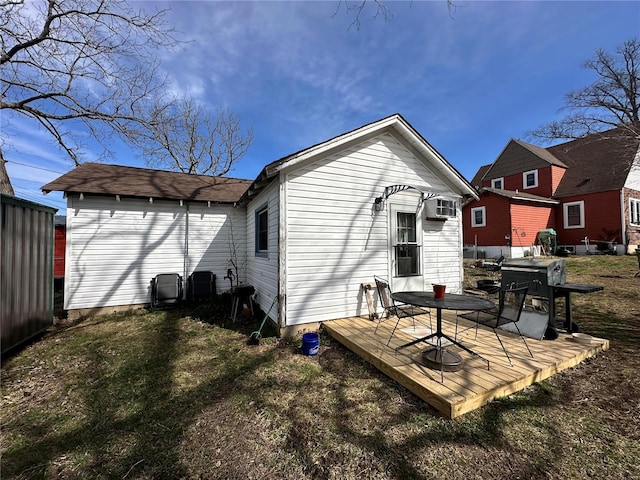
(633,179)
(216,235)
(262,272)
(114,248)
(443,253)
(334,242)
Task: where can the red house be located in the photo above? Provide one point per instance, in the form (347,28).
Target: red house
(59,245)
(587,191)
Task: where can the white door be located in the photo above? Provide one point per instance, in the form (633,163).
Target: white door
(406,248)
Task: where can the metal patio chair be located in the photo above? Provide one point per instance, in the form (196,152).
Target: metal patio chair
(392,309)
(509,311)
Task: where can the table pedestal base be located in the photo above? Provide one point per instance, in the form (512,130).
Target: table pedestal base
(442,359)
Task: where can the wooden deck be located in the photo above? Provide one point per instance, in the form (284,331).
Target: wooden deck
(474,385)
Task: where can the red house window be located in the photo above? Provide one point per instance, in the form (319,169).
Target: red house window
(478,217)
(530,179)
(574,214)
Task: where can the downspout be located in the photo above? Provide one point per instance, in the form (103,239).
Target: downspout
(282,254)
(51,266)
(623,223)
(185,265)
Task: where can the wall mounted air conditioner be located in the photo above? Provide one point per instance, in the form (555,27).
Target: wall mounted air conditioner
(440,209)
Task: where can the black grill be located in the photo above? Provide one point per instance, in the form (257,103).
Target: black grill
(539,274)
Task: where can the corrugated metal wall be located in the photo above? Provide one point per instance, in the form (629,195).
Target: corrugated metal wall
(26,270)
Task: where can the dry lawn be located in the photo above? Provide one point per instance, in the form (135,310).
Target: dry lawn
(179,394)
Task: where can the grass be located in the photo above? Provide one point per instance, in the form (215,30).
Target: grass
(179,394)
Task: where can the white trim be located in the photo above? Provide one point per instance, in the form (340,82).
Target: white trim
(484,217)
(524,179)
(565,216)
(409,282)
(501,180)
(637,211)
(404,131)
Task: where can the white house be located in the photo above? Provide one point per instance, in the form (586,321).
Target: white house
(313,226)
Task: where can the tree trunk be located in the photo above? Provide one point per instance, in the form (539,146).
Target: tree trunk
(5,183)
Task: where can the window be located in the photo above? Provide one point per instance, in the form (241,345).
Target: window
(262,231)
(634,211)
(497,183)
(530,179)
(573,214)
(440,208)
(478,217)
(407,250)
(445,208)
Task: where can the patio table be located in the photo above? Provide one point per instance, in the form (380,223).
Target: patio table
(438,356)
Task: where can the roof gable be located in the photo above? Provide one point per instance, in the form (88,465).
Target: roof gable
(106,179)
(518,157)
(395,125)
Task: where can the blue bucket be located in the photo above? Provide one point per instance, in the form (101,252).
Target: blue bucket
(310,343)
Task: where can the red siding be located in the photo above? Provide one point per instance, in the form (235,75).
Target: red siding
(602,219)
(556,175)
(548,180)
(60,243)
(513,182)
(545,186)
(529,219)
(497,219)
(502,217)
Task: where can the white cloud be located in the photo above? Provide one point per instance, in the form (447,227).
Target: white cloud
(24,141)
(299,75)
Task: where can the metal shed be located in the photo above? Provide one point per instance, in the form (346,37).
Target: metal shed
(26,270)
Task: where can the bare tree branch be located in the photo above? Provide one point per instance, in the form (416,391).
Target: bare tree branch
(93,63)
(80,60)
(379,7)
(613,100)
(184,136)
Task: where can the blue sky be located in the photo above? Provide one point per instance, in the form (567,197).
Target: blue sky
(468,80)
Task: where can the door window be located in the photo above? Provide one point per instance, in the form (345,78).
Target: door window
(406,250)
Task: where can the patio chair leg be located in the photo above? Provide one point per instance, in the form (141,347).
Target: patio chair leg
(523,339)
(394,331)
(384,315)
(502,345)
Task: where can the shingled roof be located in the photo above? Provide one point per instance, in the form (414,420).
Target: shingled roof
(476,181)
(596,163)
(543,153)
(516,195)
(106,179)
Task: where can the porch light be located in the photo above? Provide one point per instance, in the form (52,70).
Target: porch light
(378,204)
